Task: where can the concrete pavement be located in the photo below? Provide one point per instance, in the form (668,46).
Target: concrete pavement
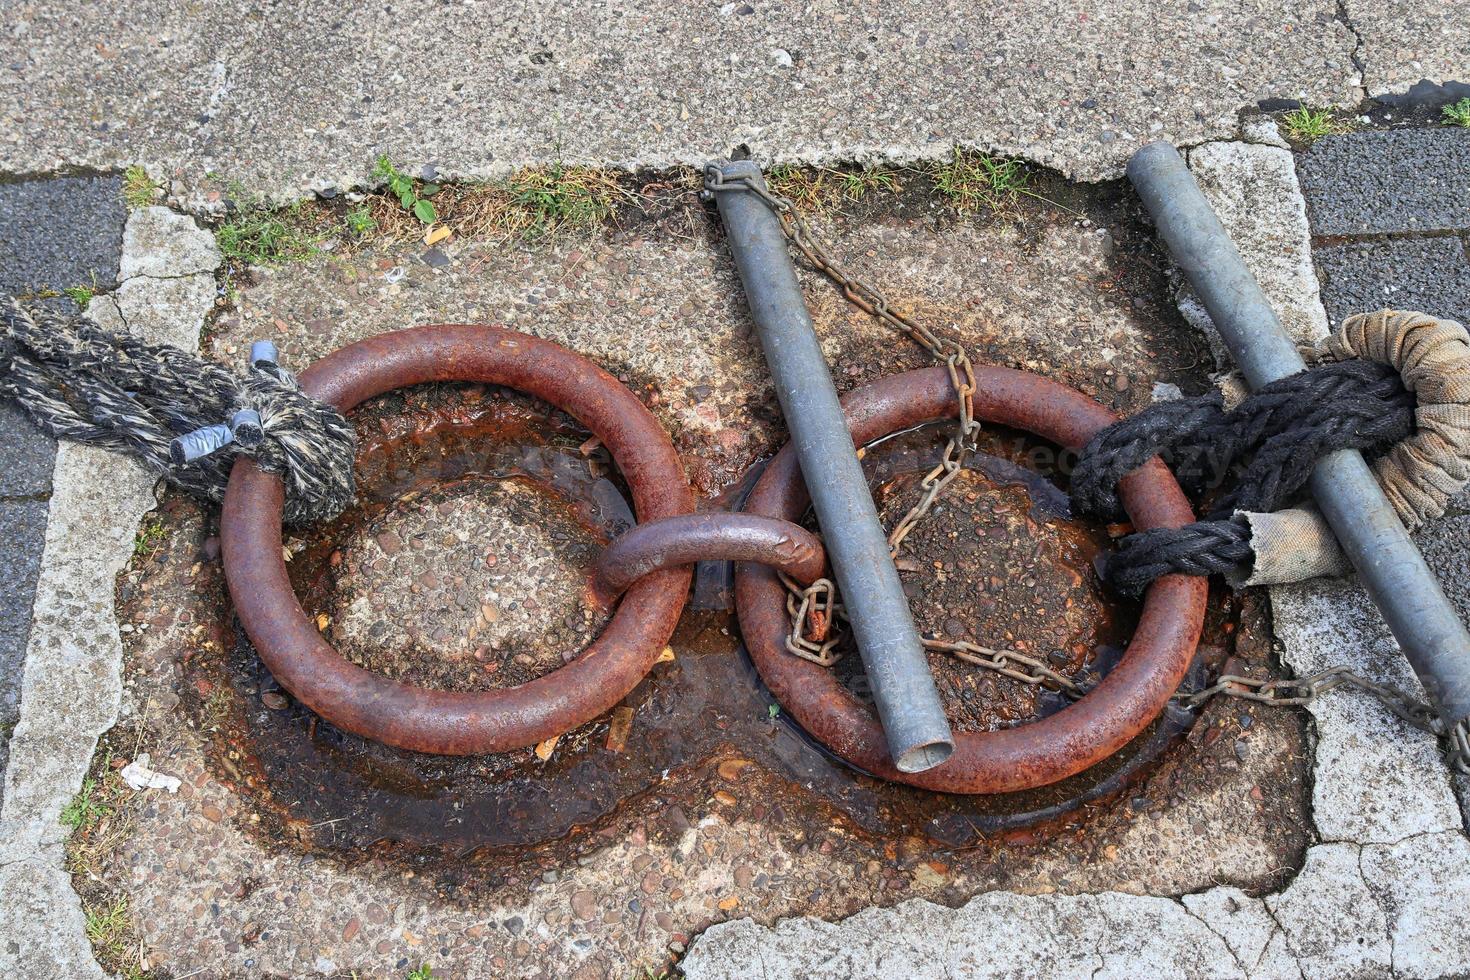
(293,96)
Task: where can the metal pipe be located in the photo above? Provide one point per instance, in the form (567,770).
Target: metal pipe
(1390,566)
(897,667)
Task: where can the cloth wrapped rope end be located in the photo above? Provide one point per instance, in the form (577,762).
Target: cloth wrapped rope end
(1392,382)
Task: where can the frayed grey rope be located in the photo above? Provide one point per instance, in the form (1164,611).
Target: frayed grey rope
(186,418)
(1283,430)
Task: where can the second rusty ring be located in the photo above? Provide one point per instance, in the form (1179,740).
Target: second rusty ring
(684,540)
(1127,700)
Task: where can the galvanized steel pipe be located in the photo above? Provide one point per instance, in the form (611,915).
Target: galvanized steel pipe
(1390,566)
(897,667)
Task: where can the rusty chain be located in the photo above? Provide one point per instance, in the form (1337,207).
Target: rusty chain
(816,610)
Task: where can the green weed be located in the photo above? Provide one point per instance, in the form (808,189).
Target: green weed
(1457,114)
(150,537)
(1309,125)
(413,195)
(138,189)
(80,295)
(86,809)
(360,221)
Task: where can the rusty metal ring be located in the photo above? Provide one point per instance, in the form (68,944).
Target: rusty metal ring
(1040,752)
(714,536)
(450,722)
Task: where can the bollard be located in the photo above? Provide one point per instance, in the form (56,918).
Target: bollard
(1390,566)
(897,667)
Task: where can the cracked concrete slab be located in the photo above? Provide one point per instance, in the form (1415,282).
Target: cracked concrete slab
(294,97)
(1377,779)
(163,244)
(1404,43)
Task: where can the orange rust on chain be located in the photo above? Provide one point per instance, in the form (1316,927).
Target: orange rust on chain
(1040,752)
(449,722)
(818,625)
(676,541)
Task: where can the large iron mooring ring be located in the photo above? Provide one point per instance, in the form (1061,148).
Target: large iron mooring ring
(1040,752)
(447,722)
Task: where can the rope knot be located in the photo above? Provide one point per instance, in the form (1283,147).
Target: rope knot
(185,418)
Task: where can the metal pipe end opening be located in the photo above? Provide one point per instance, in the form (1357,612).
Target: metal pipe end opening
(924,757)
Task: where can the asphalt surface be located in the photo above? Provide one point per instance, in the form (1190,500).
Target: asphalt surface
(55,233)
(1406,181)
(1390,217)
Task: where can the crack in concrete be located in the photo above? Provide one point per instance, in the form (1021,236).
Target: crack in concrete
(1218,934)
(1357,53)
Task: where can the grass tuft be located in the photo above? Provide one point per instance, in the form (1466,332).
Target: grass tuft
(976,181)
(543,200)
(86,809)
(138,189)
(1309,125)
(817,190)
(1457,114)
(529,205)
(256,234)
(107,928)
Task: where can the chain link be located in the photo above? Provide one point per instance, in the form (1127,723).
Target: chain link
(816,610)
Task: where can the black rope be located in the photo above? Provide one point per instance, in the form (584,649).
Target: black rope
(1269,443)
(81,382)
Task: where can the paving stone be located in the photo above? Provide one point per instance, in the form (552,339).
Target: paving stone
(1430,275)
(1386,181)
(57,232)
(72,686)
(22,537)
(1253,188)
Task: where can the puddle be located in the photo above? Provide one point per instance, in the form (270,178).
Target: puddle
(467,492)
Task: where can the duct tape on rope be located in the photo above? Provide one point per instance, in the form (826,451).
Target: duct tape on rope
(186,418)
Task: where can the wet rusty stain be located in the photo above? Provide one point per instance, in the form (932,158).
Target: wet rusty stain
(700,715)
